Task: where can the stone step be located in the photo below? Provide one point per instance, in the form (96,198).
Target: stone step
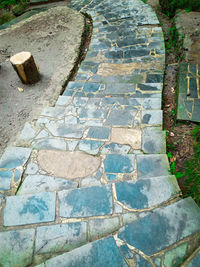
(42,207)
(93,136)
(164,229)
(110,89)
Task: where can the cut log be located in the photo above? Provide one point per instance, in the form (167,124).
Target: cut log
(24,64)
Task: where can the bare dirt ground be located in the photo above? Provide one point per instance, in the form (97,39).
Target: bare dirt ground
(54,39)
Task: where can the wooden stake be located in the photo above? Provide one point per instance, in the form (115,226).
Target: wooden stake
(24,64)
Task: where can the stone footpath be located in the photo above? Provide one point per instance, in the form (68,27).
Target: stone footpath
(88,183)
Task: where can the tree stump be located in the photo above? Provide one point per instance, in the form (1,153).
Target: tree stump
(24,64)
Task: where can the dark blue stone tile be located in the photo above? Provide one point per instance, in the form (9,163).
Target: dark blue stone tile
(99,132)
(163,227)
(103,252)
(126,252)
(121,118)
(91,87)
(154,78)
(111,177)
(116,163)
(84,202)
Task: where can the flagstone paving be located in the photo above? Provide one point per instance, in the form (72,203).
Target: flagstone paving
(87,182)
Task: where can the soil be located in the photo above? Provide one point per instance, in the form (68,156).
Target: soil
(54,38)
(179,138)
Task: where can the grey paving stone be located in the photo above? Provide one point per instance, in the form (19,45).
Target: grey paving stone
(27,133)
(5,180)
(120,88)
(16,247)
(117,163)
(64,130)
(63,100)
(99,253)
(60,237)
(153,141)
(164,227)
(50,143)
(43,183)
(121,118)
(99,132)
(72,145)
(92,113)
(29,209)
(14,157)
(152,166)
(152,117)
(152,103)
(90,182)
(115,148)
(54,112)
(90,146)
(31,168)
(195,261)
(146,193)
(71,119)
(102,227)
(42,134)
(84,202)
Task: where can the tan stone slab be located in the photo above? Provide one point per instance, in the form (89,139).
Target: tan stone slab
(125,136)
(66,164)
(108,69)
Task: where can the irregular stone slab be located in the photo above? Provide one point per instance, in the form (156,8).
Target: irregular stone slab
(119,88)
(125,251)
(63,130)
(195,261)
(146,193)
(87,182)
(31,168)
(50,143)
(30,209)
(99,132)
(121,118)
(84,202)
(102,227)
(176,255)
(140,261)
(63,100)
(90,146)
(115,148)
(5,180)
(117,163)
(41,183)
(124,136)
(66,164)
(99,253)
(60,237)
(16,247)
(27,133)
(152,166)
(153,141)
(14,157)
(152,117)
(164,227)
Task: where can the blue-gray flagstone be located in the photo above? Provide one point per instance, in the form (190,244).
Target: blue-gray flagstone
(152,166)
(121,118)
(115,148)
(146,193)
(16,247)
(41,183)
(103,252)
(163,227)
(99,132)
(84,202)
(14,157)
(5,180)
(117,163)
(90,146)
(60,237)
(28,209)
